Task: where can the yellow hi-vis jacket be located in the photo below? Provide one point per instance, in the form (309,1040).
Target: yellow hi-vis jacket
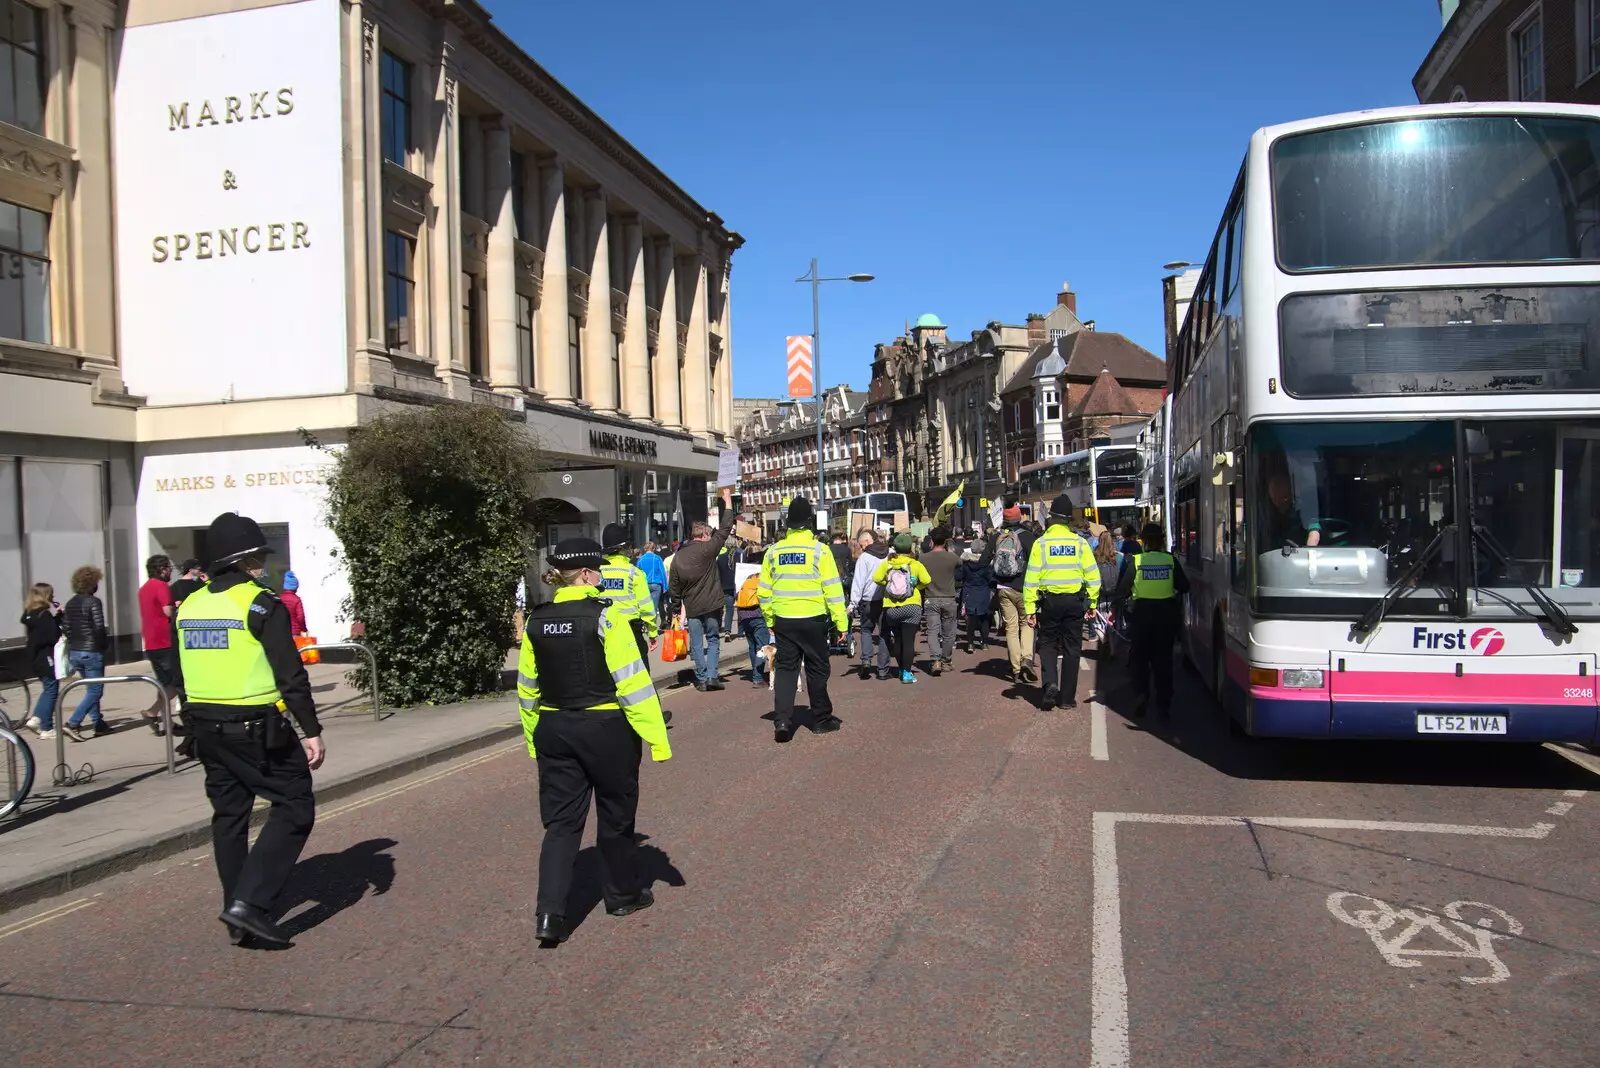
(636,694)
(625,586)
(799,580)
(1153,576)
(1061,562)
(223,663)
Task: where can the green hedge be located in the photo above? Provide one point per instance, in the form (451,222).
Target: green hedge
(434,509)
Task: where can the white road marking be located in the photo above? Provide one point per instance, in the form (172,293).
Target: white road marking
(1379,918)
(1108,999)
(47,916)
(1108,984)
(1574,793)
(1560,808)
(1097,731)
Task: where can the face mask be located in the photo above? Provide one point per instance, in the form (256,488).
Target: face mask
(262,574)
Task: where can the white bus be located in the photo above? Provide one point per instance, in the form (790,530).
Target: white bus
(883,502)
(1384,463)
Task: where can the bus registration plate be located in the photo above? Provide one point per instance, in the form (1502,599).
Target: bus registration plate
(1445,723)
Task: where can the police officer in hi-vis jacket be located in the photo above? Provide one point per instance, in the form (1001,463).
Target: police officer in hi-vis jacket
(587,703)
(242,671)
(1060,587)
(1155,581)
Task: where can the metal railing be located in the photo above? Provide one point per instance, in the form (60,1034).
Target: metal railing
(372,666)
(62,774)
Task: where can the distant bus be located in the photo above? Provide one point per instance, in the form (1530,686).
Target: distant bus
(885,503)
(1384,458)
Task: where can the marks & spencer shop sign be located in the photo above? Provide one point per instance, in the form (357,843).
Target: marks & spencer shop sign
(230,205)
(612,443)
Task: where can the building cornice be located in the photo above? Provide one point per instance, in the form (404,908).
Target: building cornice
(476,27)
(1455,36)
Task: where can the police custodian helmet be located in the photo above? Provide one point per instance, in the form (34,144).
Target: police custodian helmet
(615,536)
(573,553)
(232,537)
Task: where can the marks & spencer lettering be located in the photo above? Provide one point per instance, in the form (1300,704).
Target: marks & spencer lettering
(229,241)
(263,105)
(626,444)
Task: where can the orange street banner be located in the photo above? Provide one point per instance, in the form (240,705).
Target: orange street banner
(801,382)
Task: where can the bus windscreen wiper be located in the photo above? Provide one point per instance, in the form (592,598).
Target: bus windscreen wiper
(1550,611)
(1363,627)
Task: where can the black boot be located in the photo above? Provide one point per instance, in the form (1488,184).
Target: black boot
(629,905)
(1048,700)
(782,732)
(550,929)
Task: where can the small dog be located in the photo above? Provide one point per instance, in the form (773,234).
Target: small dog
(769,653)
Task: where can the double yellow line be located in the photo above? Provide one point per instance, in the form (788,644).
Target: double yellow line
(50,915)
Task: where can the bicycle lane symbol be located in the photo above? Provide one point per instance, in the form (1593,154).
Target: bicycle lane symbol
(1468,926)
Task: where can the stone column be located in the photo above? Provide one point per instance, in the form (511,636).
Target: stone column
(504,374)
(697,357)
(724,414)
(440,284)
(555,378)
(635,340)
(88,103)
(368,226)
(668,402)
(600,386)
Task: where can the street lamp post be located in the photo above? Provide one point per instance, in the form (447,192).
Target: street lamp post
(816,357)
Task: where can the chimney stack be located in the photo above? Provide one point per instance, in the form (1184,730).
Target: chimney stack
(1037,334)
(1068,298)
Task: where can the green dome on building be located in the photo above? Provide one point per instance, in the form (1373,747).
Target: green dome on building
(929,320)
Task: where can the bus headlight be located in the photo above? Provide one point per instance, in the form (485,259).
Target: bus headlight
(1303,678)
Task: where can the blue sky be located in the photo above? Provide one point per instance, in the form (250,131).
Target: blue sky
(972,156)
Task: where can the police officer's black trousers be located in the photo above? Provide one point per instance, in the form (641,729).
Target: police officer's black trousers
(239,769)
(797,640)
(1061,634)
(1153,629)
(579,754)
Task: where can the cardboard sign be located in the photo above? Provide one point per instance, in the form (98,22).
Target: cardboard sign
(744,571)
(728,467)
(746,531)
(860,519)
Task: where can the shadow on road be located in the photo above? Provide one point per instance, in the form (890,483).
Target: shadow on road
(1199,729)
(335,881)
(654,866)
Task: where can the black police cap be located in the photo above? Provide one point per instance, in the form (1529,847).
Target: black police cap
(573,553)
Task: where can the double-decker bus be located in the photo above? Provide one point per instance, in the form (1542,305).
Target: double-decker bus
(1384,458)
(885,503)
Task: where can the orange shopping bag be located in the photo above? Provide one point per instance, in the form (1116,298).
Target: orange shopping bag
(313,657)
(674,645)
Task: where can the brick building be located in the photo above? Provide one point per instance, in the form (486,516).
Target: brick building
(778,452)
(1513,50)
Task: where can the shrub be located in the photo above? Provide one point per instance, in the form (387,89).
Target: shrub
(434,509)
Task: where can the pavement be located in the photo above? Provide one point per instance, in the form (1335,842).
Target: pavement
(955,878)
(124,808)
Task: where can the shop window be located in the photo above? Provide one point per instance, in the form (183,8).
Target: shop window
(22,68)
(575,354)
(525,338)
(396,116)
(24,273)
(400,289)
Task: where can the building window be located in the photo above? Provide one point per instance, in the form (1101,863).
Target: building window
(1052,410)
(24,273)
(396,133)
(471,326)
(21,42)
(400,289)
(616,369)
(1057,334)
(525,337)
(575,355)
(1527,44)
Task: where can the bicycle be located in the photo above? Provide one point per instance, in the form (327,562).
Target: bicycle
(18,759)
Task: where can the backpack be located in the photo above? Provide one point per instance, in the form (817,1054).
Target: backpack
(748,597)
(1007,554)
(897,584)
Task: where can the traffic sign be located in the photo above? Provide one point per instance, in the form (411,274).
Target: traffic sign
(801,378)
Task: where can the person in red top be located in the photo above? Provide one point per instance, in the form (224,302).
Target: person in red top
(156,609)
(291,600)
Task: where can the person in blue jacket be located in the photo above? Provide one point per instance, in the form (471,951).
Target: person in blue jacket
(655,573)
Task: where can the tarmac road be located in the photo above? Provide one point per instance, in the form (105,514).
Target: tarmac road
(954,878)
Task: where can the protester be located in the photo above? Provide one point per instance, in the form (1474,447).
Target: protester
(801,602)
(902,579)
(192,577)
(747,602)
(1061,587)
(866,603)
(655,573)
(694,581)
(939,599)
(976,582)
(843,558)
(291,600)
(727,563)
(1006,557)
(156,612)
(41,619)
(87,642)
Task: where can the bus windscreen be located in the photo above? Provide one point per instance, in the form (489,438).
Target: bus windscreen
(1502,189)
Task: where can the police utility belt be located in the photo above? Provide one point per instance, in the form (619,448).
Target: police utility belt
(267,725)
